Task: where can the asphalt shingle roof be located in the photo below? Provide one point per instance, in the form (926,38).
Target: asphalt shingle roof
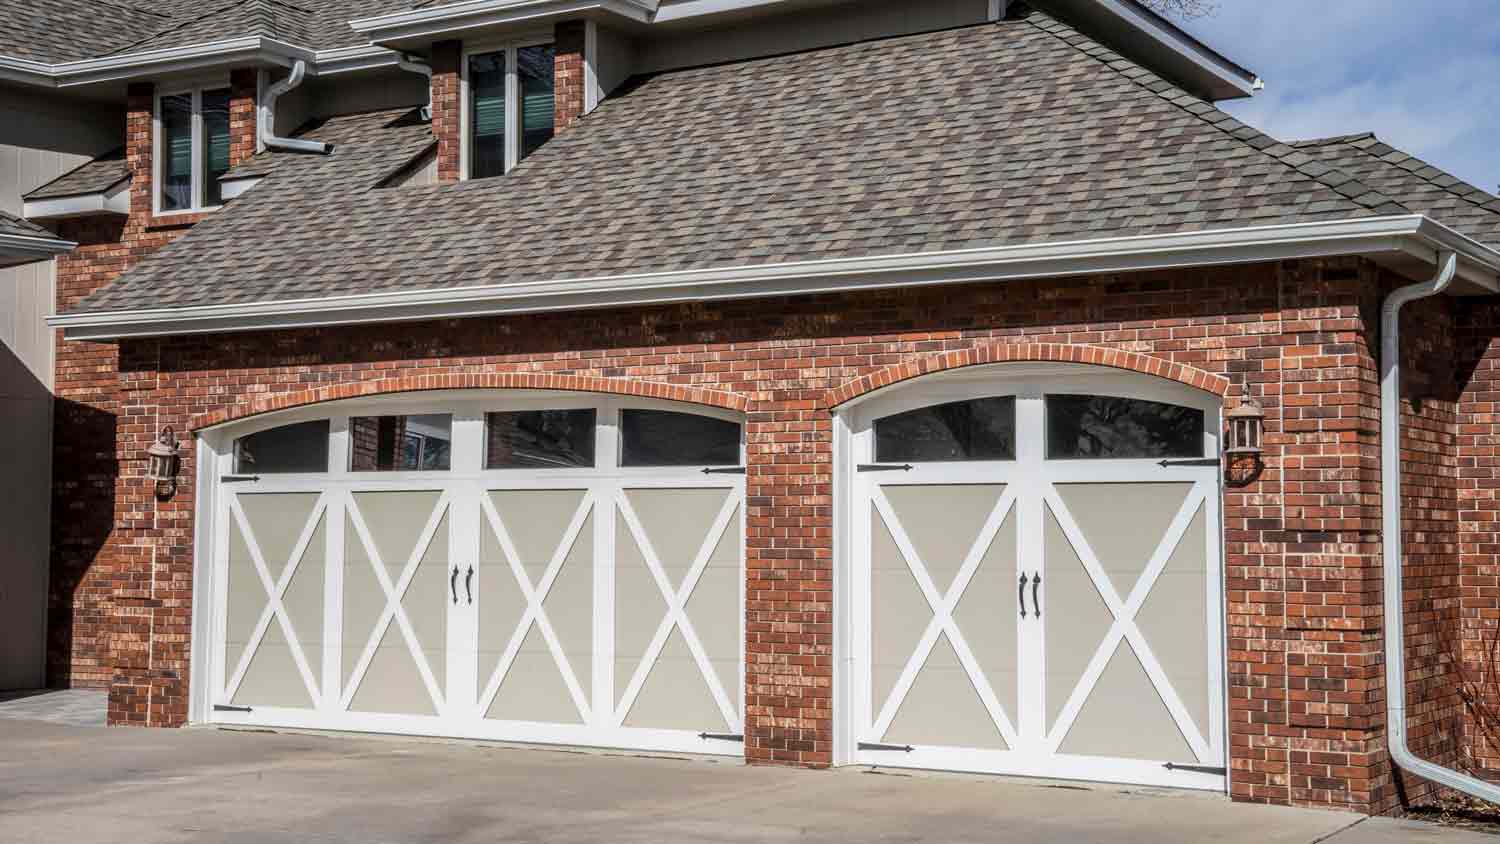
(96,176)
(67,30)
(16,226)
(1420,186)
(1018,132)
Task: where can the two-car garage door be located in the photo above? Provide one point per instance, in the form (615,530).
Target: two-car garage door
(1029,577)
(552,570)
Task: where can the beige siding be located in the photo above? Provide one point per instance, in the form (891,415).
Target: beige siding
(615,61)
(839,23)
(40,139)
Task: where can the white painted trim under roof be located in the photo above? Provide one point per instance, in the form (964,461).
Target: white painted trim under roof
(23,249)
(1408,238)
(250,49)
(114,199)
(454,18)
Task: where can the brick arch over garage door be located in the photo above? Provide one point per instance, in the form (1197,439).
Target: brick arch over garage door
(1026,352)
(499,380)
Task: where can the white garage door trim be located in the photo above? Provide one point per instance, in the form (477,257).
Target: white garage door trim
(1031,729)
(606,696)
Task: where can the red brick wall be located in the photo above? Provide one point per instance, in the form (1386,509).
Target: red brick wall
(1302,539)
(447,57)
(1478,371)
(97,615)
(567,75)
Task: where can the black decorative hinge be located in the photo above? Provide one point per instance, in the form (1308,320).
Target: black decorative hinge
(237,479)
(1196,461)
(721,736)
(870,745)
(1197,769)
(883,467)
(726,470)
(224,707)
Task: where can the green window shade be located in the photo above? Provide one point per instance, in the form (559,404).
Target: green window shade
(216,141)
(535,66)
(177,152)
(487,115)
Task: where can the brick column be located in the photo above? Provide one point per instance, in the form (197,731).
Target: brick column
(446,107)
(567,74)
(243,85)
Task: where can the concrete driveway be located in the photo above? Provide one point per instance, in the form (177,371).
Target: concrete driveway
(84,784)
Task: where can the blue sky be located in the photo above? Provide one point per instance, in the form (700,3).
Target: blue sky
(1423,76)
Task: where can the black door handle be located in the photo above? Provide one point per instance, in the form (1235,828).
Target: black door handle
(1021,594)
(469,585)
(453,585)
(1035,585)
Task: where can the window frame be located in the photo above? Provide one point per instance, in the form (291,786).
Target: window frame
(509,46)
(199,191)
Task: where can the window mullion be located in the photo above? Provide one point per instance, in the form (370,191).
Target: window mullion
(197,151)
(512,109)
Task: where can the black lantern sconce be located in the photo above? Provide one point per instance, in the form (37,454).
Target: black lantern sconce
(1247,423)
(161,463)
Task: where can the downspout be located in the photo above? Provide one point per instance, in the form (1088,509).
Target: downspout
(267,118)
(1390,515)
(412,65)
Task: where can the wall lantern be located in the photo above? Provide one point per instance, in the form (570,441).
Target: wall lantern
(161,463)
(1246,425)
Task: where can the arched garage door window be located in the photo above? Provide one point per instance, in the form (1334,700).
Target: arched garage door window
(529,566)
(1034,577)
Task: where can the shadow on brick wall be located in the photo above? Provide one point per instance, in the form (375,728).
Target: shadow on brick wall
(84,472)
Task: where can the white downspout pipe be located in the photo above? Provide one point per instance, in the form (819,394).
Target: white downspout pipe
(1390,514)
(267,117)
(411,65)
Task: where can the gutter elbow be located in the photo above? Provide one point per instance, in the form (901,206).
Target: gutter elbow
(267,118)
(415,65)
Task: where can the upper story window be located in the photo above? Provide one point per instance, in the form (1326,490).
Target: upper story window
(510,109)
(192,148)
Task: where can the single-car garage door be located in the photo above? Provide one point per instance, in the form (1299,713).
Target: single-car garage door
(1035,577)
(547,568)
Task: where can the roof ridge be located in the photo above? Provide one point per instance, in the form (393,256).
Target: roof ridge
(1335,180)
(1332,139)
(261,8)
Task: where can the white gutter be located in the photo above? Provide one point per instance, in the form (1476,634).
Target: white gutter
(267,117)
(1410,237)
(413,65)
(23,249)
(1390,524)
(113,200)
(254,49)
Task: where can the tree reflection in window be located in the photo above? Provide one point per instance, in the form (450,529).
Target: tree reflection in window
(978,429)
(1096,427)
(539,439)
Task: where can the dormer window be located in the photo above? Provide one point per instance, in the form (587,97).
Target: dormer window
(192,149)
(510,106)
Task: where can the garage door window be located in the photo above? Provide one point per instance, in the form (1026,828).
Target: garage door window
(400,443)
(664,438)
(302,447)
(540,439)
(979,429)
(1102,427)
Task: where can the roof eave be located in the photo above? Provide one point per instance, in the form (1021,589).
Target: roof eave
(417,27)
(1190,62)
(253,49)
(113,200)
(18,249)
(1405,237)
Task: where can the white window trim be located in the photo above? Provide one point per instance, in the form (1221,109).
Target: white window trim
(199,173)
(512,96)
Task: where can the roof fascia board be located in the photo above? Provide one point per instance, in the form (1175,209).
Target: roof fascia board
(346,59)
(22,249)
(1176,40)
(113,200)
(255,49)
(434,21)
(1376,235)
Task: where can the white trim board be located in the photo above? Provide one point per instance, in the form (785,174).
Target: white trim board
(1394,239)
(112,200)
(23,249)
(250,50)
